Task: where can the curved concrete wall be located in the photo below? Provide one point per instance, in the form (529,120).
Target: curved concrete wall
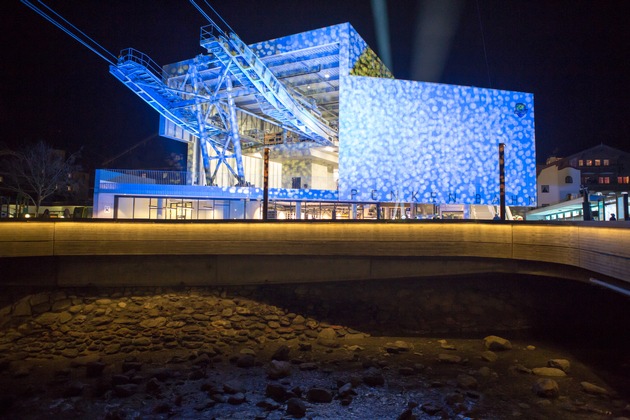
(142,253)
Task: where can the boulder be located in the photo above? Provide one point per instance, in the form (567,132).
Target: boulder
(546,388)
(467,382)
(233,387)
(236,399)
(278,369)
(373,377)
(327,337)
(246,361)
(296,407)
(431,408)
(276,392)
(548,371)
(319,395)
(489,356)
(562,364)
(407,415)
(282,353)
(346,390)
(398,346)
(449,358)
(268,404)
(495,343)
(592,389)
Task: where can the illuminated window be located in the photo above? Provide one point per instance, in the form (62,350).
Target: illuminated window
(604,180)
(598,162)
(589,162)
(568,180)
(606,162)
(623,180)
(580,162)
(544,188)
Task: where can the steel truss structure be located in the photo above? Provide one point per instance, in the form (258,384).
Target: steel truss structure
(203,107)
(229,81)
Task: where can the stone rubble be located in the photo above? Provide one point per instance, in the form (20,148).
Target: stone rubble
(143,353)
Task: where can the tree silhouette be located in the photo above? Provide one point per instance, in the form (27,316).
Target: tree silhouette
(39,172)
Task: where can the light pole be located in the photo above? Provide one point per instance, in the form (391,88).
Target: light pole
(502,180)
(586,206)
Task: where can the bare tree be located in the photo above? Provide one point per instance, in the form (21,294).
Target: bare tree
(39,172)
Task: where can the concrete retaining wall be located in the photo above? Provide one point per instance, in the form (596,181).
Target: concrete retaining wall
(143,253)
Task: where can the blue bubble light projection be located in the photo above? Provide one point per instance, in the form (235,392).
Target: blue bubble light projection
(405,141)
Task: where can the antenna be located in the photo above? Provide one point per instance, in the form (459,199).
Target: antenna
(59,21)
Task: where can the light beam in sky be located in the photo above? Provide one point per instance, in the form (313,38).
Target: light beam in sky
(379,10)
(435,29)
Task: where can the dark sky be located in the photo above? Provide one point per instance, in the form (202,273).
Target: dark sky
(574,56)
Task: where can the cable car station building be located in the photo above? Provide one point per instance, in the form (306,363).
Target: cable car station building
(344,139)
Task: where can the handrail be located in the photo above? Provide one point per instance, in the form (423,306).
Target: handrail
(133,55)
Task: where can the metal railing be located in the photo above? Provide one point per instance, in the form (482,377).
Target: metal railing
(133,55)
(142,176)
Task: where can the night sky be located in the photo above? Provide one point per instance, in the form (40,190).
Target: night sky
(574,56)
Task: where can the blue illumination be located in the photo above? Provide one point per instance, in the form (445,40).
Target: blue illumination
(434,143)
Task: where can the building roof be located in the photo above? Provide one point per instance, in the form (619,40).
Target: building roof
(600,151)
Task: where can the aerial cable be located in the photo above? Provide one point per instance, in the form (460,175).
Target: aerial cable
(483,40)
(209,19)
(227,25)
(63,24)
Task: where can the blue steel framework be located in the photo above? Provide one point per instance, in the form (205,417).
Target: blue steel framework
(203,102)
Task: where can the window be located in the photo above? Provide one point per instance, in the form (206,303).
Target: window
(580,162)
(623,180)
(606,162)
(544,188)
(598,162)
(604,180)
(589,162)
(568,179)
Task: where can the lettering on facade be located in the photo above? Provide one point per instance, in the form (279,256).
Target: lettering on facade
(434,196)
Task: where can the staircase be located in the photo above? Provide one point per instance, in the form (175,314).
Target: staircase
(140,74)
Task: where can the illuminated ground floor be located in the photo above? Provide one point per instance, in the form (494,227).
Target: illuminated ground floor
(602,207)
(160,195)
(193,208)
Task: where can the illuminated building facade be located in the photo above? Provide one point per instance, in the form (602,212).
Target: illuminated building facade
(602,172)
(346,139)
